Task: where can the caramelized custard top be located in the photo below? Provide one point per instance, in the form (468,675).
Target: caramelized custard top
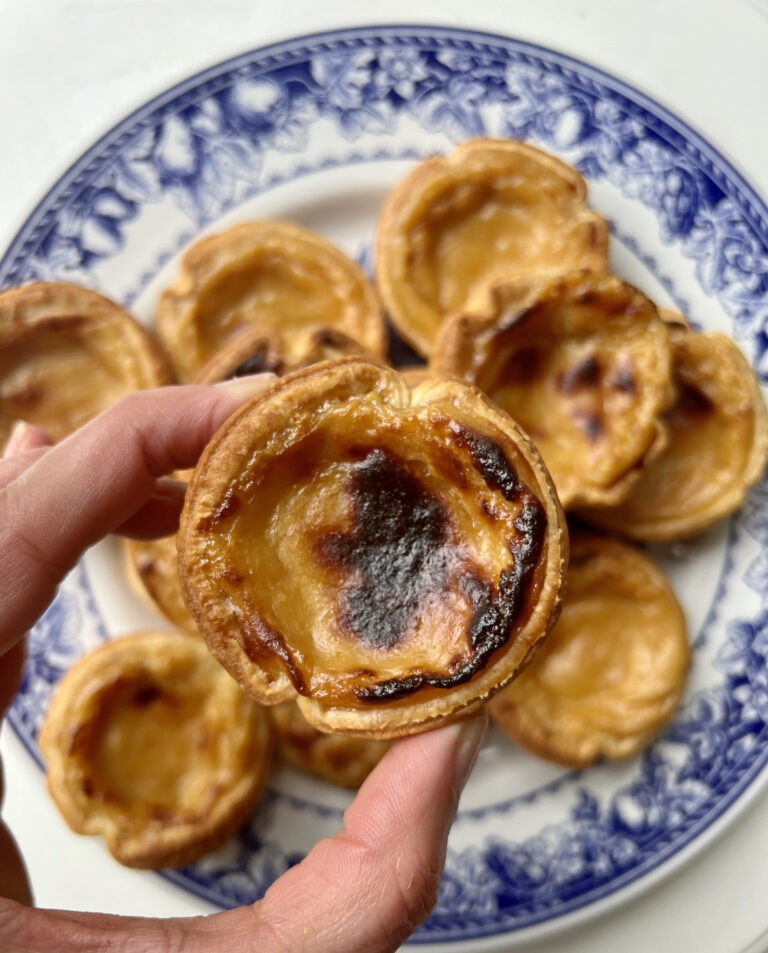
(373,561)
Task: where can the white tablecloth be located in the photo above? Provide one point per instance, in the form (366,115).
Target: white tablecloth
(70,68)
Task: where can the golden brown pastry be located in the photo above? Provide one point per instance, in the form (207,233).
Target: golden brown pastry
(152,566)
(611,672)
(491,209)
(267,273)
(66,354)
(582,363)
(336,758)
(388,557)
(718,441)
(258,349)
(150,744)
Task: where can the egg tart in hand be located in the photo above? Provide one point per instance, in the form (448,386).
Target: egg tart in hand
(612,671)
(269,274)
(150,744)
(718,442)
(582,363)
(66,354)
(456,224)
(388,558)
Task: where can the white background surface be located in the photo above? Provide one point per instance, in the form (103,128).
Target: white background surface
(69,69)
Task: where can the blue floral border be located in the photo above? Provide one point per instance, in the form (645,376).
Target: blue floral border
(206,144)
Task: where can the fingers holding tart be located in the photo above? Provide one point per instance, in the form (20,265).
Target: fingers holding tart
(388,558)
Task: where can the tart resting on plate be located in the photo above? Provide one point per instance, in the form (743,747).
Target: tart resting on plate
(493,208)
(388,558)
(581,361)
(612,671)
(150,744)
(66,354)
(270,274)
(718,442)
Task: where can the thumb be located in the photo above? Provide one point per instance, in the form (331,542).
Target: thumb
(367,888)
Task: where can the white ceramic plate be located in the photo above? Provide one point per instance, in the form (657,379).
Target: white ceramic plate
(317,130)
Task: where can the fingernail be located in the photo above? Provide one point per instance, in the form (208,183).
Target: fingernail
(470,733)
(16,439)
(244,388)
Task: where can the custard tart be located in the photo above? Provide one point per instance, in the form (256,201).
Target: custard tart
(582,363)
(718,441)
(455,225)
(612,671)
(270,274)
(387,557)
(261,349)
(150,744)
(339,759)
(66,354)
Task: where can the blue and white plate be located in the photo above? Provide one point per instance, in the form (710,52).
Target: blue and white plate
(317,130)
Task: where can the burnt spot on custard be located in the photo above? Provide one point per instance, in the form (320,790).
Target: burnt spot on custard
(584,375)
(144,696)
(261,361)
(624,380)
(496,610)
(590,423)
(497,607)
(489,459)
(397,553)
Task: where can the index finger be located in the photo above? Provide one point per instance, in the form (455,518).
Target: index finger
(93,481)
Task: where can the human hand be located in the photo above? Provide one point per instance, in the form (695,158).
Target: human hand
(369,886)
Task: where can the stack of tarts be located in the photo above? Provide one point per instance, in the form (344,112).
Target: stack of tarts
(370,552)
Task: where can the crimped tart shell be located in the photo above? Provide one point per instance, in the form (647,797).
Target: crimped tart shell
(267,273)
(66,354)
(344,541)
(456,224)
(259,349)
(582,362)
(338,759)
(152,566)
(612,671)
(150,744)
(718,441)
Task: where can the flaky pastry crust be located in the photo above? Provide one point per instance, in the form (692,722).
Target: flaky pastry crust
(612,671)
(387,557)
(582,362)
(150,744)
(339,759)
(718,442)
(271,274)
(491,209)
(66,354)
